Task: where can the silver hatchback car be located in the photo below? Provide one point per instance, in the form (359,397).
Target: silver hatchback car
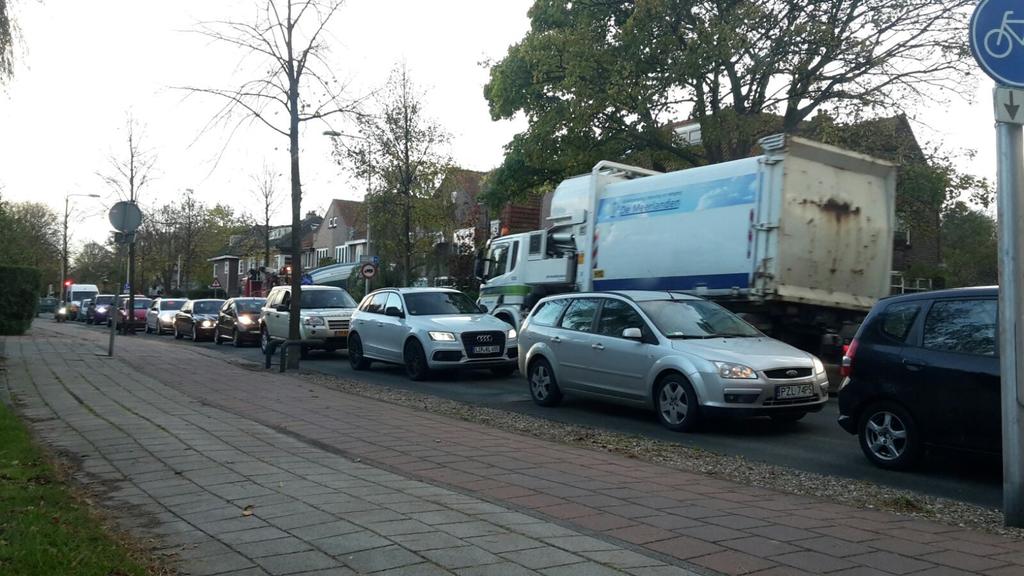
(683,356)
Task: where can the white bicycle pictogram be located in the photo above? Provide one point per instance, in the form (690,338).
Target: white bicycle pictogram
(999,41)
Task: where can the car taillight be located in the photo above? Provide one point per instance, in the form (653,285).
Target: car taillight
(846,368)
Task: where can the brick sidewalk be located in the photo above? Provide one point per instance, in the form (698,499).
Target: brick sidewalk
(709,524)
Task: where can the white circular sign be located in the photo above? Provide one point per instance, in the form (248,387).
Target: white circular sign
(125,216)
(367,270)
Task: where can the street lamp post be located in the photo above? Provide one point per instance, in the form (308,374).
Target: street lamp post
(64,247)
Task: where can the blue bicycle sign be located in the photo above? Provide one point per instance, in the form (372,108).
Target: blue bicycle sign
(997,40)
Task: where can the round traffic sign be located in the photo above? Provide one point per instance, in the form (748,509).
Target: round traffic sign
(125,216)
(367,270)
(997,40)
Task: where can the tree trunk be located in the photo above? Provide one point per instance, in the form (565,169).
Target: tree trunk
(296,248)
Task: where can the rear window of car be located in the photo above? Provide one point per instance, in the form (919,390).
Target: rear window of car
(965,326)
(548,312)
(898,319)
(171,304)
(580,315)
(100,300)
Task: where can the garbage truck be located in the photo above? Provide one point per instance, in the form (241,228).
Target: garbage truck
(798,240)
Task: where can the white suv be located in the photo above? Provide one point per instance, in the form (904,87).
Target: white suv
(326,312)
(429,328)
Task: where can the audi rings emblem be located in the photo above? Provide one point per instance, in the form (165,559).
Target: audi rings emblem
(484,338)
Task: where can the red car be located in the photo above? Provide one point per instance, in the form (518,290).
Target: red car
(139,314)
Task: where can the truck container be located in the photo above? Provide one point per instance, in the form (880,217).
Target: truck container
(798,239)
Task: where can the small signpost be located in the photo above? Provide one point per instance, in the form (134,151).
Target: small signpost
(215,285)
(368,270)
(125,217)
(997,41)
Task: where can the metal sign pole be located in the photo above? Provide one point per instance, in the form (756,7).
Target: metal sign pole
(1010,202)
(113,311)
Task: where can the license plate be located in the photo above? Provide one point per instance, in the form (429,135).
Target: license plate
(794,391)
(341,333)
(486,349)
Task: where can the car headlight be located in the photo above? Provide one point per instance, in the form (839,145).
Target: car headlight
(442,336)
(511,334)
(245,320)
(62,310)
(819,366)
(313,321)
(207,323)
(735,371)
(101,309)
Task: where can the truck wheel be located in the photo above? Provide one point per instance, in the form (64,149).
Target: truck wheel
(889,436)
(416,367)
(677,404)
(543,386)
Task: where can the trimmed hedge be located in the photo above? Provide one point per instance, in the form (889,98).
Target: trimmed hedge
(18,299)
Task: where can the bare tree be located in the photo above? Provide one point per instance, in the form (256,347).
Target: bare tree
(287,35)
(266,193)
(127,176)
(7,33)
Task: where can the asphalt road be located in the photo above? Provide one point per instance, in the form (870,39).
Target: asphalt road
(815,444)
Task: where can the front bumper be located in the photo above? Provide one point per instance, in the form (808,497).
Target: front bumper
(323,337)
(452,355)
(763,396)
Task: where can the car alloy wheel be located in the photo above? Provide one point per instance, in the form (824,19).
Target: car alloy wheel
(264,341)
(195,334)
(543,386)
(177,333)
(888,436)
(677,404)
(216,336)
(415,361)
(355,353)
(234,338)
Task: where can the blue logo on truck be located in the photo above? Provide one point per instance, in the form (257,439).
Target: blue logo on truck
(697,197)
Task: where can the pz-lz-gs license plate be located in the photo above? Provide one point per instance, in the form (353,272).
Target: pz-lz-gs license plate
(794,391)
(486,349)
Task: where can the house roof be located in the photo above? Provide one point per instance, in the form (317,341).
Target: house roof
(353,214)
(463,180)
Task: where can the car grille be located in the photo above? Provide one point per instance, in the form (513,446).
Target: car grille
(473,339)
(787,373)
(337,324)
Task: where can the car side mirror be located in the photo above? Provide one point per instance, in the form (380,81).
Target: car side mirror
(283,308)
(483,309)
(633,334)
(394,312)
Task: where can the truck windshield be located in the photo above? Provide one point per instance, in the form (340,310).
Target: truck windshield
(696,319)
(327,299)
(497,260)
(439,303)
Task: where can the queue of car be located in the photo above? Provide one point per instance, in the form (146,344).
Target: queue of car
(682,357)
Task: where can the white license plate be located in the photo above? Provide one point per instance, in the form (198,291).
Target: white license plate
(794,391)
(486,349)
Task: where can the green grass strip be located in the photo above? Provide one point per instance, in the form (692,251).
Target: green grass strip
(44,529)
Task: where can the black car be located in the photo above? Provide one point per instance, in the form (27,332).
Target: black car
(923,370)
(197,319)
(239,321)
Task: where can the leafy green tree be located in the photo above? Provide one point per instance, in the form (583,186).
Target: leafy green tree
(607,79)
(970,246)
(30,235)
(100,265)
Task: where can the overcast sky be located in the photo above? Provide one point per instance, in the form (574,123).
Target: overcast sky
(86,65)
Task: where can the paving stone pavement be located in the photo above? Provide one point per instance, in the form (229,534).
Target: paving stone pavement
(348,484)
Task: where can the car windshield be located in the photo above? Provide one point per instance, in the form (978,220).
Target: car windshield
(171,304)
(696,319)
(249,306)
(327,299)
(142,304)
(104,300)
(439,303)
(207,306)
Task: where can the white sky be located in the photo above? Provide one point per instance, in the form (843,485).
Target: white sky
(86,64)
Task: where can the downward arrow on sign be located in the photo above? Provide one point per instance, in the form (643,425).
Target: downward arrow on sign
(1012,108)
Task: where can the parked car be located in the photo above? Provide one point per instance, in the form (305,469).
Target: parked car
(239,321)
(160,316)
(923,370)
(83,314)
(137,318)
(683,356)
(197,319)
(426,329)
(324,322)
(99,310)
(47,304)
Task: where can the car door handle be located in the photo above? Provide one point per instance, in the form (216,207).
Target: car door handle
(597,346)
(556,339)
(914,365)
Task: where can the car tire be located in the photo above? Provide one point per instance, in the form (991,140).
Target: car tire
(303,352)
(195,334)
(216,336)
(235,340)
(148,329)
(790,418)
(264,340)
(177,333)
(355,353)
(676,404)
(889,436)
(543,385)
(416,367)
(503,371)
